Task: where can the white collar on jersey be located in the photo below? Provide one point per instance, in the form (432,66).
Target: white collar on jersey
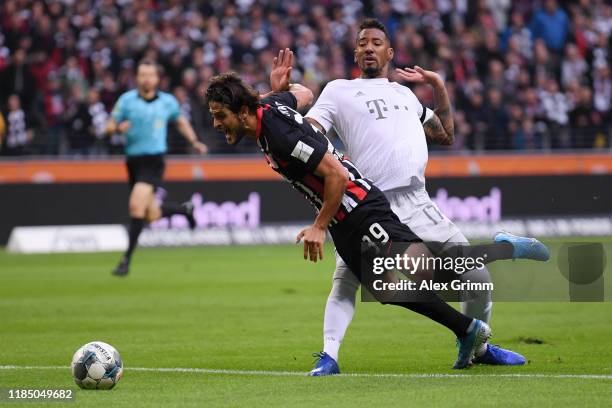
(372,80)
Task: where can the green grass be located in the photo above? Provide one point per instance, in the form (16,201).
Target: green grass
(261,308)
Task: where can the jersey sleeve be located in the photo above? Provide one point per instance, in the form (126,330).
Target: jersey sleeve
(300,145)
(324,110)
(174,109)
(284,98)
(119,110)
(423,112)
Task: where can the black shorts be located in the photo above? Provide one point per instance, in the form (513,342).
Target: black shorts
(147,169)
(374,222)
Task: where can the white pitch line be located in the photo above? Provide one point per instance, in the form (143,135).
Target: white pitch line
(303,374)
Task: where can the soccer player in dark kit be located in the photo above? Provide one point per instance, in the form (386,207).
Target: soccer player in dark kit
(348,205)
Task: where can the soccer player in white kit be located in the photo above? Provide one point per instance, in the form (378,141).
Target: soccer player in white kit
(385,130)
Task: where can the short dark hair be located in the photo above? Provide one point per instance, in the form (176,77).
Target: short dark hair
(231,90)
(374,23)
(151,63)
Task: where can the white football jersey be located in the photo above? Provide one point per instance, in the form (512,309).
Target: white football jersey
(381,126)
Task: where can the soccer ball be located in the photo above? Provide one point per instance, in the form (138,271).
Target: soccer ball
(97,366)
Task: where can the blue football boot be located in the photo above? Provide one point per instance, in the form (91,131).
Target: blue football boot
(524,248)
(495,355)
(475,338)
(325,365)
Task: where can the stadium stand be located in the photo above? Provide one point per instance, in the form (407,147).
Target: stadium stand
(522,74)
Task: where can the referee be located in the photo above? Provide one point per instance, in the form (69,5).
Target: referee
(143,114)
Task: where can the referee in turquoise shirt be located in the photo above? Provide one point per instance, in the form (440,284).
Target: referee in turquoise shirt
(143,114)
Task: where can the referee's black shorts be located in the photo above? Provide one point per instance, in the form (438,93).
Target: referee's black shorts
(146,169)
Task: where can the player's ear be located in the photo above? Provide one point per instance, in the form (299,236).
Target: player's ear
(244,113)
(355,56)
(390,53)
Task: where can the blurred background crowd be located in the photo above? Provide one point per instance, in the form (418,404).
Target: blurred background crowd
(521,74)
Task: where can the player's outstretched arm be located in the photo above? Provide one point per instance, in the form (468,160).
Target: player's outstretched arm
(185,128)
(440,128)
(280,76)
(303,95)
(336,177)
(281,71)
(316,124)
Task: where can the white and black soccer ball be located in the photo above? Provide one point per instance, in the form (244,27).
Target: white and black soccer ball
(97,366)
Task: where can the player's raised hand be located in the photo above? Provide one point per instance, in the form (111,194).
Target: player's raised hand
(281,70)
(418,75)
(314,238)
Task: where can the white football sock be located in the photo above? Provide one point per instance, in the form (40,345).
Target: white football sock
(479,307)
(339,312)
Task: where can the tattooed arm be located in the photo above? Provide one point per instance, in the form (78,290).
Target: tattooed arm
(440,127)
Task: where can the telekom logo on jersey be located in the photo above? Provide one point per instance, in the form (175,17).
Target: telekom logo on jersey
(483,209)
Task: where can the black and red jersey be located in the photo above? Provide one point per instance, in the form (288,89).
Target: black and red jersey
(294,148)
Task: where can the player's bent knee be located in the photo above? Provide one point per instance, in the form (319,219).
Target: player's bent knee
(153,212)
(150,218)
(137,209)
(140,199)
(344,289)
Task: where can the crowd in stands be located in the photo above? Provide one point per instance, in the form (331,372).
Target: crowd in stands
(521,74)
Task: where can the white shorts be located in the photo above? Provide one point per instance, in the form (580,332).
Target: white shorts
(415,210)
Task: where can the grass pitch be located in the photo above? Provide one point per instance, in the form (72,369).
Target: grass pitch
(243,321)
